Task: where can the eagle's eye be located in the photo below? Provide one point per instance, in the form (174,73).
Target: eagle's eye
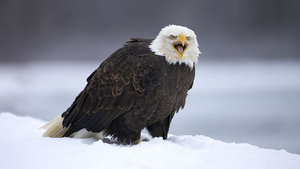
(172,37)
(188,38)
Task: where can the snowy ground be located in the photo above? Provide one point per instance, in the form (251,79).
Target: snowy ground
(23,147)
(242,102)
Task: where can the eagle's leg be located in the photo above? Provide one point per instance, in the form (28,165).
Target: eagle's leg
(137,139)
(158,129)
(126,136)
(161,128)
(127,129)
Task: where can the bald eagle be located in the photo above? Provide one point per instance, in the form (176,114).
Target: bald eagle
(141,85)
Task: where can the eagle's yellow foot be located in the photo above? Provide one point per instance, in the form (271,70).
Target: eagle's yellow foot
(138,141)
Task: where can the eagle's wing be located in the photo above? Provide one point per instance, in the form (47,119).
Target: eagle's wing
(117,86)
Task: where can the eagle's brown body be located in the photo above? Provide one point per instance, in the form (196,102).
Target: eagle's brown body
(131,90)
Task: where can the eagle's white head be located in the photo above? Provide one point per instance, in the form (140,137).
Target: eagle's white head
(177,44)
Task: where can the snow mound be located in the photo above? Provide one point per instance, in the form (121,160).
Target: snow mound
(23,147)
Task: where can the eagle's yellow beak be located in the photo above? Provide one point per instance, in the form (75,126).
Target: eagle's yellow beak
(180,45)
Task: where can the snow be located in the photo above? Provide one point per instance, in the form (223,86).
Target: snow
(255,102)
(23,147)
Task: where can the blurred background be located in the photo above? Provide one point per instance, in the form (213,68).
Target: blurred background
(247,88)
(91,30)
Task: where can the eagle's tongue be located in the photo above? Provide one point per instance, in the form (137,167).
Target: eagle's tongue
(180,49)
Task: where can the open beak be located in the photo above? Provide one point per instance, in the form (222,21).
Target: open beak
(180,45)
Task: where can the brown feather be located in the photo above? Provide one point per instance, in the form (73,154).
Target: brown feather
(132,89)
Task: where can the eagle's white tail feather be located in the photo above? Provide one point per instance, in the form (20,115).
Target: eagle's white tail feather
(83,133)
(54,128)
